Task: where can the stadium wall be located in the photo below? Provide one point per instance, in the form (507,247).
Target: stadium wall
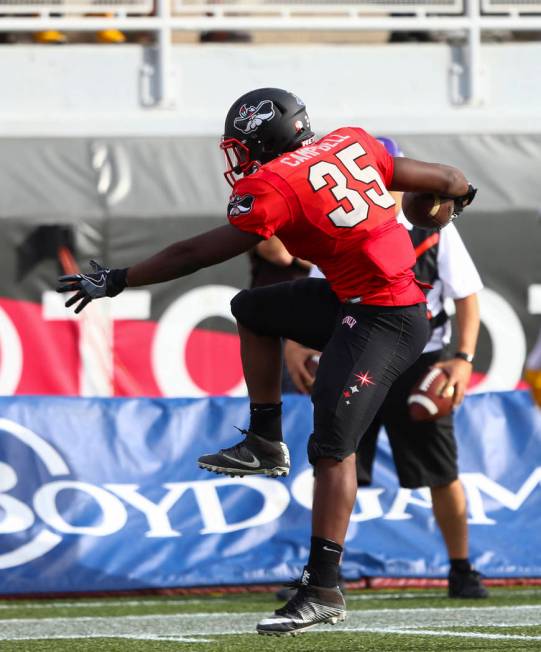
(394,88)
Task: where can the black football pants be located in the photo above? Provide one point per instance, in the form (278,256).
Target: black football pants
(364,350)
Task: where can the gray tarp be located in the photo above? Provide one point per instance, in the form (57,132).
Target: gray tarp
(77,179)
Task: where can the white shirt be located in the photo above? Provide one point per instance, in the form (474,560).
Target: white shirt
(457,278)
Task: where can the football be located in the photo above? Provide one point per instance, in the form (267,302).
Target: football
(426,401)
(427,210)
(311,364)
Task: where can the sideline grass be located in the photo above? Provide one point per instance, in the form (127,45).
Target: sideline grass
(378,620)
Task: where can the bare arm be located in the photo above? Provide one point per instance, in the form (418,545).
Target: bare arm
(179,259)
(468,322)
(187,256)
(417,176)
(274,251)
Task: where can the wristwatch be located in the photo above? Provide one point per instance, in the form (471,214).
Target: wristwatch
(468,357)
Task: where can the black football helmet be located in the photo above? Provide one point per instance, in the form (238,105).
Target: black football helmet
(261,125)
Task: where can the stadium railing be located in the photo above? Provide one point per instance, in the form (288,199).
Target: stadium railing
(512,8)
(466,19)
(310,9)
(41,8)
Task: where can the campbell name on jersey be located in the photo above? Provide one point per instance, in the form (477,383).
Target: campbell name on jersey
(309,152)
(328,202)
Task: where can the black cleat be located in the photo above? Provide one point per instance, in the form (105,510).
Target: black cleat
(253,456)
(288,591)
(310,606)
(466,585)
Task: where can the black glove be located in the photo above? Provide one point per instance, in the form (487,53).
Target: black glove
(101,282)
(464,200)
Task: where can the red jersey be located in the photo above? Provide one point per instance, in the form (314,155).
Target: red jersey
(328,203)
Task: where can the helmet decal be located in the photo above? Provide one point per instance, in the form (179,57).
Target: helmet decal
(240,205)
(252,117)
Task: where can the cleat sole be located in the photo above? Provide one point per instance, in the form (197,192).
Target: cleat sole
(276,472)
(333,620)
(336,619)
(292,633)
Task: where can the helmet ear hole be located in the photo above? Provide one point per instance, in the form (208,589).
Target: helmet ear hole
(269,147)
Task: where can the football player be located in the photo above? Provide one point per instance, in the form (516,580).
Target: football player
(425,453)
(328,201)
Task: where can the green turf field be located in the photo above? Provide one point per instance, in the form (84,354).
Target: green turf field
(377,621)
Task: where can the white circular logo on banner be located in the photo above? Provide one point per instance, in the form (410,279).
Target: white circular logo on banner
(174,329)
(17,515)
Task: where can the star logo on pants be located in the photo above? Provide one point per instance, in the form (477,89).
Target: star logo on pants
(364,379)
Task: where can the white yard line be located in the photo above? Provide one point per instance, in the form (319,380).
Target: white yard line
(180,627)
(443,633)
(134,637)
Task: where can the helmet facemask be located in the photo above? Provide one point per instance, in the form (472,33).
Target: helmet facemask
(238,159)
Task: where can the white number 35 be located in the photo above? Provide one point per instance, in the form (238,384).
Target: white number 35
(360,202)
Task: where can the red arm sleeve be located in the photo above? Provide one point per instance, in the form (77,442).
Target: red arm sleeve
(257,207)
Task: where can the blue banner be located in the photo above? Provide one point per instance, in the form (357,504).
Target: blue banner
(105,494)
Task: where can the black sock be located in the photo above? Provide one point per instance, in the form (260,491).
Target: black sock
(266,420)
(460,565)
(324,562)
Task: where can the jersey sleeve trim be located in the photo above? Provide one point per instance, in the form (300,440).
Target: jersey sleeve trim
(264,232)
